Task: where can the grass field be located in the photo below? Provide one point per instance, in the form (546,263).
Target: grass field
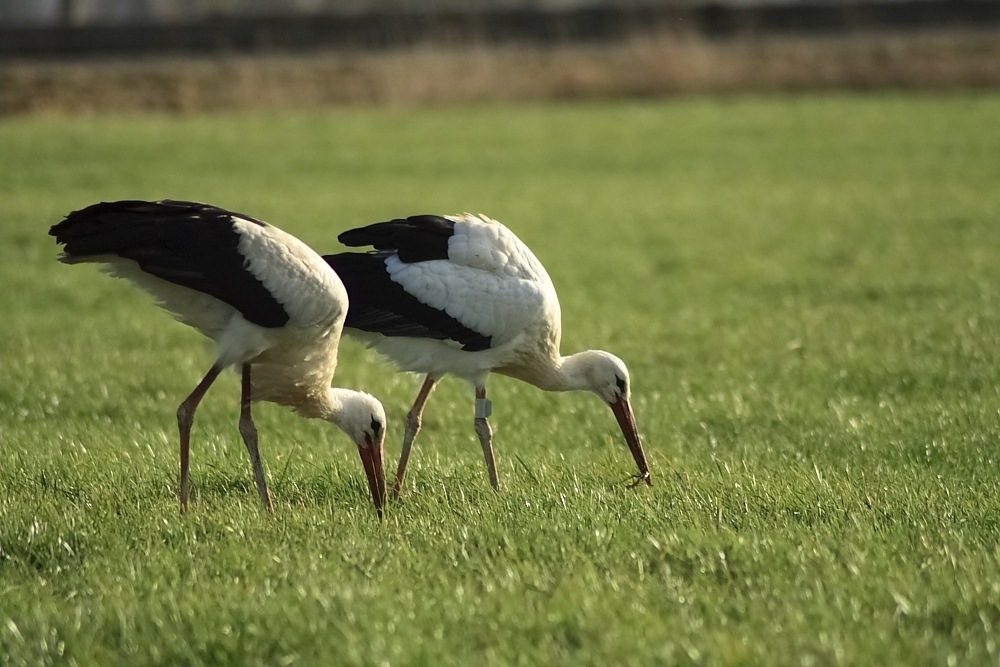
(806,289)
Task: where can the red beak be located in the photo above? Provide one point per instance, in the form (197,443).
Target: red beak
(371,457)
(626,420)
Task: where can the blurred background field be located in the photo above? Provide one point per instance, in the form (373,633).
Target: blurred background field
(87,55)
(802,279)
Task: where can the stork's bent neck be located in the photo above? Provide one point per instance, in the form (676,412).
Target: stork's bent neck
(325,403)
(556,373)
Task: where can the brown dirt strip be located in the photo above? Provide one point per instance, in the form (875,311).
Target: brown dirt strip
(638,66)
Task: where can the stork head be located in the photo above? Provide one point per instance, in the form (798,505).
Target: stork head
(607,376)
(362,418)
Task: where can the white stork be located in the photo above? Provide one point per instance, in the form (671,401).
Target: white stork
(272,305)
(463,295)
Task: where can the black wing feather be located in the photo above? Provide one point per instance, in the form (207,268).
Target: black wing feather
(419,238)
(379,305)
(186,243)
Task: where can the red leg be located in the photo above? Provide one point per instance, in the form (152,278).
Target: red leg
(413,421)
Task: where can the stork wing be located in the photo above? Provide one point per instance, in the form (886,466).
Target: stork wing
(380,305)
(186,243)
(419,238)
(473,241)
(466,278)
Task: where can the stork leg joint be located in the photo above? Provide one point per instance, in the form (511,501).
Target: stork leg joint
(414,421)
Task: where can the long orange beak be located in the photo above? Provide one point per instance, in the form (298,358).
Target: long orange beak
(626,420)
(371,457)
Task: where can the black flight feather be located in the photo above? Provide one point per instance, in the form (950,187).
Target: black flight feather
(186,243)
(419,238)
(379,305)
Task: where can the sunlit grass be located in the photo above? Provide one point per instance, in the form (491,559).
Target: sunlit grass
(806,290)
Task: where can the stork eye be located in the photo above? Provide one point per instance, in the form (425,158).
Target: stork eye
(622,386)
(376,426)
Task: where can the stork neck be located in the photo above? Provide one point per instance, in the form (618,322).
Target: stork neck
(313,404)
(560,374)
(573,372)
